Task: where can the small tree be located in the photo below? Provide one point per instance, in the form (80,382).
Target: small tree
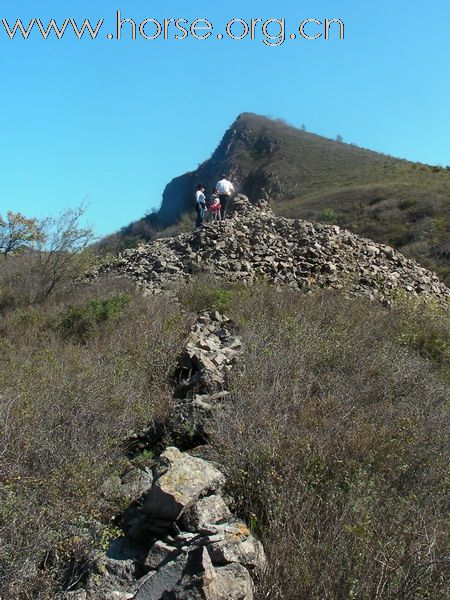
(18,233)
(44,255)
(63,250)
(339,139)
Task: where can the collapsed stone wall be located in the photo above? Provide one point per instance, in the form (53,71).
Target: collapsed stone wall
(180,539)
(255,245)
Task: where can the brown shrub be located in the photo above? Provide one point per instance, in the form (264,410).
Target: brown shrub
(65,407)
(337,449)
(31,277)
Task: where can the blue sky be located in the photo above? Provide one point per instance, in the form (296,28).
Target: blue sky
(111,122)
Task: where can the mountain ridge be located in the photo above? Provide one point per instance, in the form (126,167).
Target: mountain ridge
(246,153)
(392,201)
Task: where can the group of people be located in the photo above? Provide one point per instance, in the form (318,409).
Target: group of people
(219,202)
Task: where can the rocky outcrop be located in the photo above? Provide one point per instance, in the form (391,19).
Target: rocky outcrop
(130,487)
(255,245)
(180,539)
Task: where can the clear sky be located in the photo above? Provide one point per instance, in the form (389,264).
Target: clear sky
(111,122)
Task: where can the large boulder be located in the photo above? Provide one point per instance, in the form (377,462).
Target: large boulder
(192,576)
(199,579)
(183,481)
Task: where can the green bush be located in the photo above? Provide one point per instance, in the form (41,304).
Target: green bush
(205,294)
(329,216)
(81,322)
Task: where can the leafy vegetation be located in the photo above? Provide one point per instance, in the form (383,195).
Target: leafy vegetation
(206,294)
(81,322)
(18,233)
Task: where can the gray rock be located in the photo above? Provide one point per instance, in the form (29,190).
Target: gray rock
(107,595)
(123,569)
(186,479)
(183,539)
(136,483)
(114,574)
(128,488)
(199,579)
(209,510)
(233,582)
(158,554)
(236,546)
(110,488)
(165,579)
(201,404)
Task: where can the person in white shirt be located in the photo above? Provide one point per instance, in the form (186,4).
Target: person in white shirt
(225,189)
(200,204)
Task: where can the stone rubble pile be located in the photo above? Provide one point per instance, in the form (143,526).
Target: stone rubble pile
(181,540)
(254,245)
(203,368)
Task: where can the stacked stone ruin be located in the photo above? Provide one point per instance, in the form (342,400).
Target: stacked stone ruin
(255,245)
(181,541)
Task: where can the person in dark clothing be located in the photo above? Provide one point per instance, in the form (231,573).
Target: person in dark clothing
(200,205)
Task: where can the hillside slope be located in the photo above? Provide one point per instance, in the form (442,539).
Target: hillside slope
(121,409)
(393,201)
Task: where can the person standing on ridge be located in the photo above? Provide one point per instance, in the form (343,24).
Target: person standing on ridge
(225,189)
(200,204)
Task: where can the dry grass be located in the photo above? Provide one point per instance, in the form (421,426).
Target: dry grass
(335,441)
(336,444)
(32,277)
(74,381)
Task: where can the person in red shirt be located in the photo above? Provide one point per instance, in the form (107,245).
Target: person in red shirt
(215,207)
